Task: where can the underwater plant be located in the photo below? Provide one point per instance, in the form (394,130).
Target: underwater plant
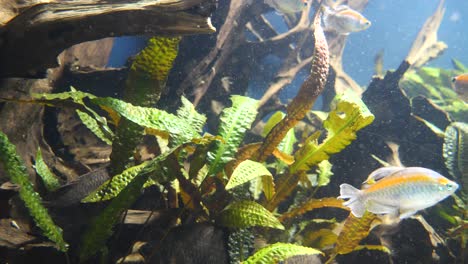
(436,85)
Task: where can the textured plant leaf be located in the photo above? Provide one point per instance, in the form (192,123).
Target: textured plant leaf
(156,59)
(246,171)
(90,118)
(349,116)
(188,113)
(322,238)
(94,126)
(374,247)
(245,214)
(235,121)
(100,230)
(287,144)
(153,118)
(313,204)
(324,173)
(354,230)
(114,186)
(15,168)
(280,252)
(74,95)
(48,178)
(455,150)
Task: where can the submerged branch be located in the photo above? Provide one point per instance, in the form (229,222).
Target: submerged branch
(426,45)
(53,27)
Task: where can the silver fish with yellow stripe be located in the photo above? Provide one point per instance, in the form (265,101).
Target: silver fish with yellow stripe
(398,191)
(343,20)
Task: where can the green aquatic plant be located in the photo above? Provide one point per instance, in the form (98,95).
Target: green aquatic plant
(48,178)
(235,121)
(436,85)
(455,152)
(143,87)
(245,213)
(209,176)
(278,252)
(101,227)
(15,168)
(349,116)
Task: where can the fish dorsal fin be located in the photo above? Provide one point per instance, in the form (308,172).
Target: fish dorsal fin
(381,173)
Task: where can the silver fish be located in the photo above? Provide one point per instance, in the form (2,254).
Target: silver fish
(343,20)
(398,191)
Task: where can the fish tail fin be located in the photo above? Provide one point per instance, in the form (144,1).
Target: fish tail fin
(355,202)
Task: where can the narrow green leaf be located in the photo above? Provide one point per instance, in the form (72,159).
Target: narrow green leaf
(50,180)
(349,116)
(114,186)
(235,121)
(15,168)
(100,230)
(188,113)
(94,126)
(246,171)
(459,66)
(280,252)
(153,118)
(244,214)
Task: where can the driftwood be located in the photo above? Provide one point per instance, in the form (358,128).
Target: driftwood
(31,41)
(426,47)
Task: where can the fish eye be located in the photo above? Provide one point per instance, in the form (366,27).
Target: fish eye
(454,79)
(449,186)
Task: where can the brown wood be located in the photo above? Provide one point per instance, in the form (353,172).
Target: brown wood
(31,42)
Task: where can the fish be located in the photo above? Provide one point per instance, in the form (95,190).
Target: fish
(397,191)
(460,86)
(287,6)
(343,20)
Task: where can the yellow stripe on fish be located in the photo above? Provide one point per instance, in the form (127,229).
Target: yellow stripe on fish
(398,191)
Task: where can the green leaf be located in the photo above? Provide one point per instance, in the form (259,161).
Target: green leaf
(153,118)
(156,59)
(50,180)
(114,186)
(244,214)
(246,171)
(324,173)
(455,151)
(235,121)
(15,168)
(287,144)
(100,230)
(76,98)
(94,126)
(271,122)
(349,116)
(280,252)
(188,113)
(459,66)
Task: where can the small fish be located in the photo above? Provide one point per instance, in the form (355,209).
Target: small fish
(460,86)
(398,191)
(343,20)
(287,6)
